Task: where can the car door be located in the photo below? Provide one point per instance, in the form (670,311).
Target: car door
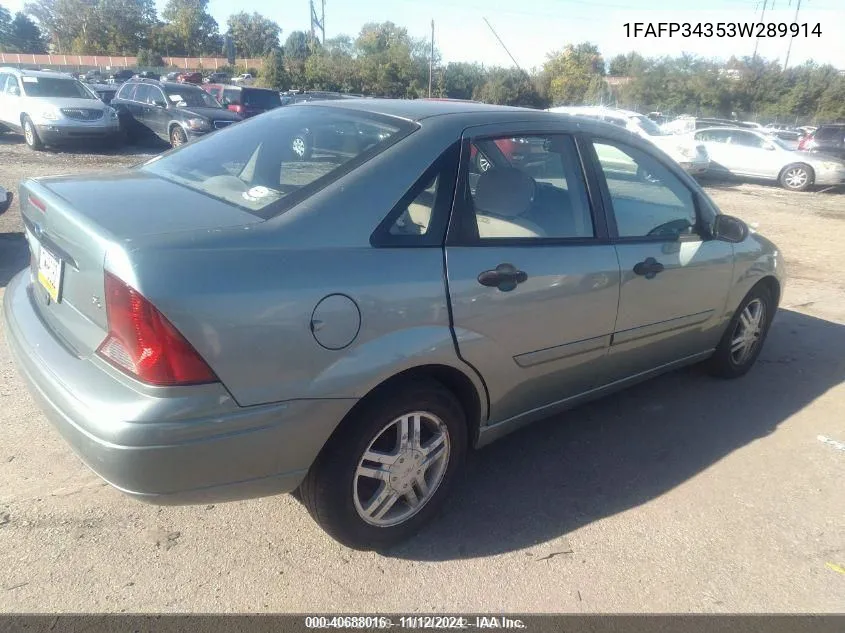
(755,154)
(675,279)
(11,104)
(716,144)
(156,115)
(533,281)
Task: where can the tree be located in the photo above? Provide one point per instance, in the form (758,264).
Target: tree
(253,34)
(5,30)
(273,73)
(567,74)
(509,86)
(193,26)
(149,59)
(26,36)
(460,80)
(296,51)
(95,26)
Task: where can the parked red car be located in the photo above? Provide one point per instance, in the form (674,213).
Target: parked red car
(190,78)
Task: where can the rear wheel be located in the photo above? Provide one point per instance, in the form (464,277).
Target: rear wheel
(743,340)
(30,135)
(177,136)
(389,468)
(796,177)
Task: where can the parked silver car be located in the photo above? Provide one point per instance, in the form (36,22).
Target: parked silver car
(247,323)
(51,108)
(748,153)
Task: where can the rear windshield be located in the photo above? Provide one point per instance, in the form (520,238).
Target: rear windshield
(52,87)
(828,133)
(266,164)
(261,99)
(191,97)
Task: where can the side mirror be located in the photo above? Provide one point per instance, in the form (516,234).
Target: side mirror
(729,229)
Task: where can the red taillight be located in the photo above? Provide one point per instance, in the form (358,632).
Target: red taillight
(236,108)
(35,202)
(142,342)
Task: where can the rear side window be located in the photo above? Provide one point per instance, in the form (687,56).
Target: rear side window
(829,133)
(231,96)
(261,99)
(267,164)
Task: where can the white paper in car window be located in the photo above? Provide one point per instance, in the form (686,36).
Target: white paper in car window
(176,98)
(30,80)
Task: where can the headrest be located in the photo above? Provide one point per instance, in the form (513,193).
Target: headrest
(504,192)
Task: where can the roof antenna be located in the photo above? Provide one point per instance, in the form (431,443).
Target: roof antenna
(506,48)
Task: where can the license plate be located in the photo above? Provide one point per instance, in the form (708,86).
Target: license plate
(50,270)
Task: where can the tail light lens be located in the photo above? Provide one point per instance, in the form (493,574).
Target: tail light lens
(236,108)
(144,344)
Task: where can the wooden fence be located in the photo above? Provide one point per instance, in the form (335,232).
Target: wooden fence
(117,61)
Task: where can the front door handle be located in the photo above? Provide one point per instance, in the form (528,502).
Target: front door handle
(505,277)
(648,268)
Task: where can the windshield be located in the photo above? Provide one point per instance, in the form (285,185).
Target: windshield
(191,98)
(52,87)
(261,99)
(266,164)
(648,126)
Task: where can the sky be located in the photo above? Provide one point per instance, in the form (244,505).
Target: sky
(531,29)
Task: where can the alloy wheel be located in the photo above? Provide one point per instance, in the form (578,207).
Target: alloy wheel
(748,330)
(401,469)
(796,177)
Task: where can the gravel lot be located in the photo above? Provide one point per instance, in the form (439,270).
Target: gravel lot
(682,494)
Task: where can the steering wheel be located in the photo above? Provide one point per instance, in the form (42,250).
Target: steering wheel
(674,228)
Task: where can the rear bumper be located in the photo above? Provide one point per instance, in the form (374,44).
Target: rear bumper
(54,134)
(165,446)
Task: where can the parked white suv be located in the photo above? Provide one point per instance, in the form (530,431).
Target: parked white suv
(688,154)
(51,108)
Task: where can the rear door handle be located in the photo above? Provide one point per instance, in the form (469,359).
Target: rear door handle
(648,268)
(505,277)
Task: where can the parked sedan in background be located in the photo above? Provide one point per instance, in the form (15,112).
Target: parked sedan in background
(691,156)
(189,78)
(245,323)
(748,153)
(174,112)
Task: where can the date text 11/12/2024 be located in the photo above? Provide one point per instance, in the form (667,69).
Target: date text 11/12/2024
(413,622)
(721,29)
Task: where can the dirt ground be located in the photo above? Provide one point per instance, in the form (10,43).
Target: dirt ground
(684,494)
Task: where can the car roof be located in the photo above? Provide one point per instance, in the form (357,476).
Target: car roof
(418,109)
(595,110)
(161,84)
(47,74)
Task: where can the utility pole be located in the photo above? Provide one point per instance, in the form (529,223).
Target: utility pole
(757,40)
(431,61)
(789,50)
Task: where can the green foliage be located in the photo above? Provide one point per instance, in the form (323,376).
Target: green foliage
(569,75)
(508,86)
(273,73)
(193,26)
(460,80)
(253,34)
(19,35)
(149,59)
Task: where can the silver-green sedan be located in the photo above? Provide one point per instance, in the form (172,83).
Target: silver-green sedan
(233,319)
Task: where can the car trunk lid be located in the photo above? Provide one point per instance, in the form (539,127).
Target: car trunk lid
(72,222)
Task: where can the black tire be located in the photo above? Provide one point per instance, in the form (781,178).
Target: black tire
(177,136)
(724,363)
(30,135)
(300,147)
(797,177)
(330,488)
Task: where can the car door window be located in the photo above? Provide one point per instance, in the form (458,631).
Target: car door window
(127,91)
(13,87)
(647,200)
(142,93)
(231,96)
(526,187)
(415,217)
(744,139)
(713,136)
(4,77)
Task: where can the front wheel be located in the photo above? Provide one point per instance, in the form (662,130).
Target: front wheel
(743,340)
(796,177)
(389,468)
(30,135)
